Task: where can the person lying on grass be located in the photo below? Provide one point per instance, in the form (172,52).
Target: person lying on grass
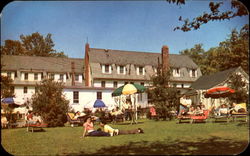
(112,131)
(88,129)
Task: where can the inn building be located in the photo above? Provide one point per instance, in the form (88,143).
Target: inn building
(98,74)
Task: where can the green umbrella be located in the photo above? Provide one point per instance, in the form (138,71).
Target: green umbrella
(129,89)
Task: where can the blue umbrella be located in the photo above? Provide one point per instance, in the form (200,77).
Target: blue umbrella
(99,103)
(8,100)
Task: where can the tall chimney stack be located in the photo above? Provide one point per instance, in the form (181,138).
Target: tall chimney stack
(87,66)
(73,73)
(165,58)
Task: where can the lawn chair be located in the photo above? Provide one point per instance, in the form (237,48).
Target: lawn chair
(73,121)
(36,127)
(184,117)
(201,117)
(236,115)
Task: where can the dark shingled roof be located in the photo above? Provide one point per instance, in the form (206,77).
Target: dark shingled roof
(209,81)
(121,57)
(49,64)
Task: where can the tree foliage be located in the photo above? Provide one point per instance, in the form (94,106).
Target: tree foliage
(31,45)
(50,103)
(6,87)
(237,83)
(233,52)
(164,97)
(237,9)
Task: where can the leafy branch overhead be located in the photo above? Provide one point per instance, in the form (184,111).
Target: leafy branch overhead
(237,9)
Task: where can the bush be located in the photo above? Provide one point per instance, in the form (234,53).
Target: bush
(50,103)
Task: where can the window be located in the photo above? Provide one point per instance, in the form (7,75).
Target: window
(142,83)
(103,83)
(126,83)
(9,74)
(131,82)
(15,73)
(76,77)
(75,96)
(99,95)
(140,97)
(106,68)
(193,72)
(177,71)
(25,89)
(182,85)
(115,84)
(26,76)
(122,70)
(61,77)
(52,76)
(36,76)
(140,70)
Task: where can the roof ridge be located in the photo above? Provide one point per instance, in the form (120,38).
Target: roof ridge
(44,57)
(130,51)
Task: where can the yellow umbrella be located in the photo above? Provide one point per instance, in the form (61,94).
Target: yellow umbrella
(129,89)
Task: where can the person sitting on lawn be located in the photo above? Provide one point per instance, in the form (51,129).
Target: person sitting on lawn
(237,108)
(115,114)
(184,105)
(89,129)
(223,110)
(112,131)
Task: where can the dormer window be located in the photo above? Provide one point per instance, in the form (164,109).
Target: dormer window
(106,69)
(140,70)
(176,72)
(193,73)
(121,70)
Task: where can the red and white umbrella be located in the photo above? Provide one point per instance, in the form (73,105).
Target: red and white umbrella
(218,92)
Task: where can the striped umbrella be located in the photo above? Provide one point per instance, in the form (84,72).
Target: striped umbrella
(218,92)
(129,89)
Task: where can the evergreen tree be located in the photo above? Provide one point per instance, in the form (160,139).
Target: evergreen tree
(164,97)
(50,103)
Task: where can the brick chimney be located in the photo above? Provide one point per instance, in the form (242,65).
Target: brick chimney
(165,58)
(87,66)
(73,73)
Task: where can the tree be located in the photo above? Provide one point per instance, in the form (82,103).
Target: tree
(164,97)
(50,103)
(197,54)
(32,45)
(6,87)
(240,86)
(231,53)
(234,51)
(12,47)
(237,9)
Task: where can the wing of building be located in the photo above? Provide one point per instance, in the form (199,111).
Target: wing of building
(98,74)
(221,78)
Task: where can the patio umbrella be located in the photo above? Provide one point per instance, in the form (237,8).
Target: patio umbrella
(99,103)
(12,102)
(219,92)
(128,89)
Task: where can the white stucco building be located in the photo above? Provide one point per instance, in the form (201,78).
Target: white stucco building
(97,75)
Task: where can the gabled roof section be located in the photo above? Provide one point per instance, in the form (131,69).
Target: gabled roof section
(120,57)
(209,81)
(48,64)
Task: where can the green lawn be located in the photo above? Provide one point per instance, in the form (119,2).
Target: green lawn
(160,137)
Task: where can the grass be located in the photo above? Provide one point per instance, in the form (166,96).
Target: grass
(160,137)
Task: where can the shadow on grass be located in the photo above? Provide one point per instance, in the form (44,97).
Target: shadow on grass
(128,123)
(212,146)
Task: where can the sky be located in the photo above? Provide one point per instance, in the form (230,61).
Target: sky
(123,25)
